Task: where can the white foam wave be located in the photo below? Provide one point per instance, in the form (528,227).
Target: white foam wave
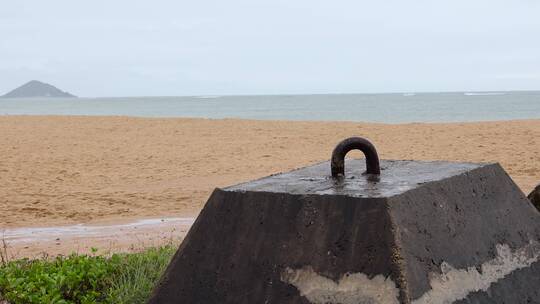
(483,93)
(208,96)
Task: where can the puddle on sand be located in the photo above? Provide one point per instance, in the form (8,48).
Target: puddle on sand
(82,231)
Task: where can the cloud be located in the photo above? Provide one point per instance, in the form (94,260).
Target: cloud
(269,46)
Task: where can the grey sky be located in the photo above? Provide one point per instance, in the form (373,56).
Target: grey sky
(142,48)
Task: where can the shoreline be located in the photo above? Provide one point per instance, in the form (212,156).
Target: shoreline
(130,236)
(269,120)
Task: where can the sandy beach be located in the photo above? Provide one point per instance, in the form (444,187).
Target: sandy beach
(57,170)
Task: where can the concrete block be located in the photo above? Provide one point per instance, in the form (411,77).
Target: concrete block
(420,232)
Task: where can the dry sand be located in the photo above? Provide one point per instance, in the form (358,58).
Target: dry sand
(58,170)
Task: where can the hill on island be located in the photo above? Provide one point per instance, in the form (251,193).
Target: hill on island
(36,88)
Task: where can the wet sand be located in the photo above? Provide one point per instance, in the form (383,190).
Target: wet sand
(106,237)
(57,170)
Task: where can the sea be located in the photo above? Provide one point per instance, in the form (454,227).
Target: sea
(383,108)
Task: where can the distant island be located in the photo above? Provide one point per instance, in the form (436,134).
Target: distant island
(34,88)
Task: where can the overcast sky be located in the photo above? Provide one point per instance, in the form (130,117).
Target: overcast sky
(200,47)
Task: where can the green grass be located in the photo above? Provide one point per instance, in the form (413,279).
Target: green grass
(120,278)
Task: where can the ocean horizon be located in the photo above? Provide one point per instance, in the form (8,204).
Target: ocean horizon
(376,107)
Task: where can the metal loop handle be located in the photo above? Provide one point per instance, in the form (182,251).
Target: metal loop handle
(354,143)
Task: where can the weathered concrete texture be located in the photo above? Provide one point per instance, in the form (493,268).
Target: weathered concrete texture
(457,284)
(351,288)
(242,243)
(423,232)
(460,221)
(520,286)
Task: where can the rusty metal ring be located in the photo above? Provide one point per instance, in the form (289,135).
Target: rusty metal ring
(337,164)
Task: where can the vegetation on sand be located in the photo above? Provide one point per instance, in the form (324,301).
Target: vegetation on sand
(119,278)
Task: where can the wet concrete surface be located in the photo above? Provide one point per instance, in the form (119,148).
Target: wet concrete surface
(396,177)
